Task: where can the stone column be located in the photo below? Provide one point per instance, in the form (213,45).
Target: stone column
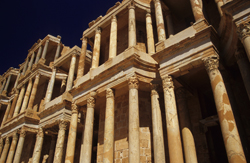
(50,86)
(3,86)
(5,150)
(13,105)
(12,148)
(7,85)
(159,21)
(38,54)
(219,4)
(45,49)
(6,113)
(113,38)
(150,34)
(33,93)
(38,146)
(31,61)
(131,26)
(197,9)
(17,78)
(170,24)
(71,72)
(57,51)
(26,97)
(97,47)
(244,35)
(60,141)
(52,149)
(81,64)
(108,148)
(1,145)
(19,148)
(88,132)
(25,66)
(228,126)
(134,133)
(19,101)
(70,152)
(186,127)
(174,139)
(159,151)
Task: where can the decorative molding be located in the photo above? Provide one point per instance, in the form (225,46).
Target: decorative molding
(167,82)
(211,63)
(133,82)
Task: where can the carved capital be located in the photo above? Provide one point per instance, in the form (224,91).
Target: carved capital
(40,133)
(167,83)
(109,93)
(131,5)
(240,54)
(98,30)
(148,14)
(63,124)
(211,63)
(47,41)
(84,40)
(7,140)
(91,102)
(113,18)
(133,82)
(243,31)
(74,109)
(181,93)
(15,137)
(22,133)
(154,89)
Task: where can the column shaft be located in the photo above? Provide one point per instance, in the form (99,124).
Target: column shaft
(45,49)
(38,54)
(97,47)
(19,148)
(52,149)
(31,61)
(6,113)
(150,34)
(81,64)
(57,51)
(170,25)
(13,105)
(19,101)
(17,78)
(2,88)
(33,93)
(159,21)
(1,145)
(25,66)
(6,86)
(131,26)
(50,86)
(5,150)
(26,97)
(197,9)
(38,146)
(12,149)
(71,72)
(113,38)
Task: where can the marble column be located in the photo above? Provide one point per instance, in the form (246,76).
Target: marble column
(113,38)
(19,148)
(52,149)
(38,146)
(150,34)
(170,24)
(7,85)
(31,61)
(197,9)
(219,4)
(71,72)
(17,78)
(1,145)
(2,88)
(159,21)
(159,151)
(97,47)
(13,104)
(186,127)
(108,147)
(244,35)
(5,150)
(173,132)
(131,26)
(38,54)
(134,133)
(6,113)
(26,97)
(88,132)
(228,126)
(33,93)
(50,86)
(82,58)
(45,49)
(25,66)
(19,101)
(57,51)
(70,152)
(12,148)
(60,141)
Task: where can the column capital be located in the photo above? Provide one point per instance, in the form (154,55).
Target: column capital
(63,124)
(15,137)
(167,82)
(40,133)
(148,13)
(180,93)
(133,82)
(22,133)
(243,31)
(131,5)
(154,89)
(239,54)
(109,93)
(47,41)
(113,18)
(211,63)
(84,39)
(98,30)
(7,140)
(74,109)
(38,75)
(91,102)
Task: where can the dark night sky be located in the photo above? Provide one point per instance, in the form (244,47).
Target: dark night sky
(22,23)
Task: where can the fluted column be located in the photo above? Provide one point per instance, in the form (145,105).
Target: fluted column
(173,132)
(108,148)
(197,9)
(97,47)
(71,72)
(38,54)
(159,151)
(25,66)
(88,132)
(45,49)
(134,133)
(82,58)
(31,61)
(57,51)
(150,34)
(170,24)
(113,38)
(228,126)
(7,85)
(159,21)
(244,35)
(38,146)
(186,127)
(60,141)
(19,148)
(70,152)
(131,26)
(19,101)
(50,86)
(33,93)
(1,145)
(5,150)
(26,97)
(6,113)
(52,149)
(12,148)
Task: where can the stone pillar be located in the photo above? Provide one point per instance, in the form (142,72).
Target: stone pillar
(17,78)
(131,26)
(150,34)
(6,113)
(3,86)
(244,35)
(88,132)
(186,127)
(12,148)
(113,38)
(97,47)
(7,85)
(33,93)
(108,148)
(60,141)
(31,61)
(197,9)
(134,133)
(228,126)
(5,150)
(219,4)
(159,21)
(25,66)
(38,54)
(57,51)
(159,151)
(13,105)
(26,97)
(170,24)
(174,139)
(52,149)
(19,148)
(38,146)
(70,152)
(71,72)
(1,145)
(45,49)
(81,64)
(19,101)
(50,86)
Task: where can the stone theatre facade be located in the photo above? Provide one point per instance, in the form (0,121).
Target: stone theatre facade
(164,81)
